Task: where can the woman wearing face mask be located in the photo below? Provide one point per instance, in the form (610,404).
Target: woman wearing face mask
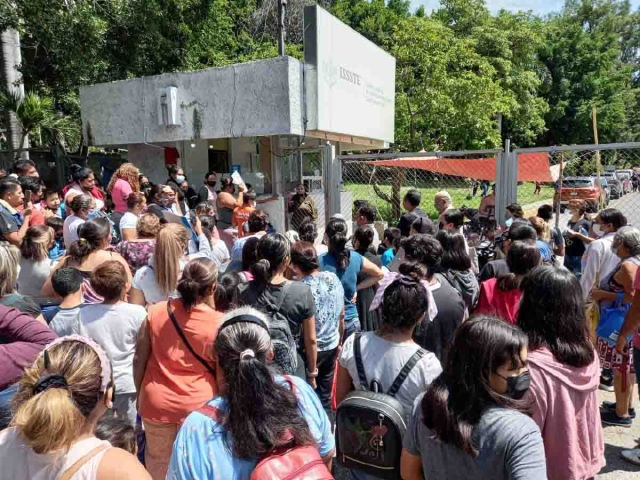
(177,178)
(89,252)
(599,260)
(564,373)
(162,199)
(619,287)
(84,182)
(82,207)
(473,421)
(207,192)
(576,237)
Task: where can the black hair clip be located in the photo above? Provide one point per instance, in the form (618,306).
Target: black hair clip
(47,360)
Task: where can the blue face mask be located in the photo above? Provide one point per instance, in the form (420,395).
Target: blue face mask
(93,213)
(509,222)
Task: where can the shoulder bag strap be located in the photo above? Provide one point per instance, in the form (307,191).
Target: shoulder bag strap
(404,373)
(186,342)
(71,471)
(283,293)
(357,352)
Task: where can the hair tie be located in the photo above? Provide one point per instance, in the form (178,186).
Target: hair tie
(266,263)
(50,381)
(248,353)
(82,241)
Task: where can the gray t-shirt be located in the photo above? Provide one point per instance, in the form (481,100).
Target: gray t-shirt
(509,444)
(64,320)
(32,277)
(383,361)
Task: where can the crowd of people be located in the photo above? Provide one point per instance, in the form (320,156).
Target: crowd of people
(166,331)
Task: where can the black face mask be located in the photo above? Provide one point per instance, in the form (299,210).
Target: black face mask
(144,186)
(517,386)
(211,184)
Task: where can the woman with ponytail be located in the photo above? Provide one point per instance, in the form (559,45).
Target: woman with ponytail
(173,368)
(56,409)
(35,264)
(90,251)
(347,265)
(473,420)
(258,409)
(290,304)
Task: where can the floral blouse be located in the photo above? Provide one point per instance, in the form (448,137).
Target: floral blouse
(137,253)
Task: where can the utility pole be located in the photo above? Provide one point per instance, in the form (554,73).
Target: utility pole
(282,7)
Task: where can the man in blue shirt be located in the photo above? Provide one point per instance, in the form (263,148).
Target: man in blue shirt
(13,224)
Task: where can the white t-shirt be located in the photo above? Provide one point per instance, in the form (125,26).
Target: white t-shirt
(128,220)
(383,360)
(115,328)
(62,323)
(145,281)
(219,253)
(70,229)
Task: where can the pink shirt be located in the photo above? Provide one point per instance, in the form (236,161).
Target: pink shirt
(636,286)
(499,303)
(119,194)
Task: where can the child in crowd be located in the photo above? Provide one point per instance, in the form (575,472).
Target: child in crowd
(391,243)
(242,214)
(57,251)
(118,433)
(51,204)
(67,285)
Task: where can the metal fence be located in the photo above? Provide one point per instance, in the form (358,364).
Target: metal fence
(575,171)
(382,180)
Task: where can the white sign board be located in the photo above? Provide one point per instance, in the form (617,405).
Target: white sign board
(350,81)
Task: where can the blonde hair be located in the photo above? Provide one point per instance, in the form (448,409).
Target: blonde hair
(148,226)
(541,227)
(35,245)
(128,172)
(171,244)
(54,419)
(9,260)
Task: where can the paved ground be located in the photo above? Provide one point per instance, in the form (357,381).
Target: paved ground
(617,439)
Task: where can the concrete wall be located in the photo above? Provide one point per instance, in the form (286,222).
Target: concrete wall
(150,160)
(243,100)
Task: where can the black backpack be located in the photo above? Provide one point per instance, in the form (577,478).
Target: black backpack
(370,424)
(285,354)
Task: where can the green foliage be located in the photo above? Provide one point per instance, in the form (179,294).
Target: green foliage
(457,68)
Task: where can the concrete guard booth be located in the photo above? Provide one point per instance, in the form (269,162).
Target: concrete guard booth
(280,121)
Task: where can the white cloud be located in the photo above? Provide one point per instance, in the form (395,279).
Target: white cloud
(537,6)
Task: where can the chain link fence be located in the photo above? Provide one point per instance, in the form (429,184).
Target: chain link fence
(382,180)
(574,176)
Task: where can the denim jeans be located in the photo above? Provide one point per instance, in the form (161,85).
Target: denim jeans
(574,265)
(351,327)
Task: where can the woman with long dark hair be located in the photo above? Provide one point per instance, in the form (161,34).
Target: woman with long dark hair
(175,180)
(293,301)
(256,411)
(455,266)
(501,296)
(362,240)
(473,422)
(328,296)
(347,265)
(565,373)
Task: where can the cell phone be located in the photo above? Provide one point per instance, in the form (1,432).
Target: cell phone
(27,198)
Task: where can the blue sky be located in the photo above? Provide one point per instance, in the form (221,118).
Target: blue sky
(538,6)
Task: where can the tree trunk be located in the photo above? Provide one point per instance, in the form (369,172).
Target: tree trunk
(12,80)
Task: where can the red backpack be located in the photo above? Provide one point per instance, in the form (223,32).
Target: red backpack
(284,463)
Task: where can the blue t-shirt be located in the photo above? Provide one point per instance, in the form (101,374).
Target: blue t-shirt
(387,257)
(349,279)
(199,452)
(328,295)
(545,250)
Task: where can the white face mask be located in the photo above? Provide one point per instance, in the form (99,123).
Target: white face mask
(180,178)
(597,230)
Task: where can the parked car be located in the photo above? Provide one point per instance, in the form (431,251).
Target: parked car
(582,188)
(615,185)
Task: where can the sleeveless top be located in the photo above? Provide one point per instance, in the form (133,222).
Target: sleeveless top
(225,216)
(613,286)
(20,462)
